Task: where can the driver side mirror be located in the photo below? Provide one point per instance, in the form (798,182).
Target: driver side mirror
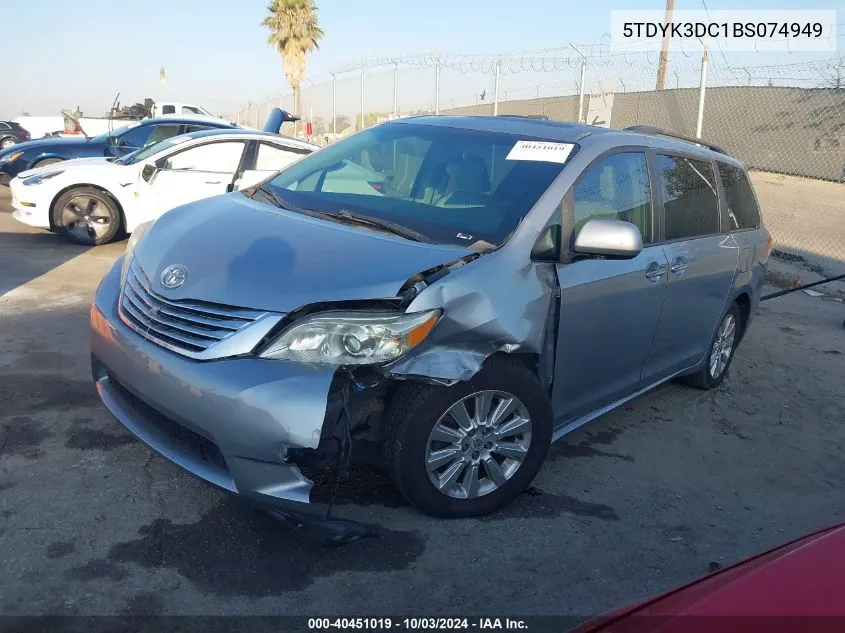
(149,171)
(608,238)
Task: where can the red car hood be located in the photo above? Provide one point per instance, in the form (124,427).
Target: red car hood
(803,578)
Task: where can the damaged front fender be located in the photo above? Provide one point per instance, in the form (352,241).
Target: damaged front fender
(489,306)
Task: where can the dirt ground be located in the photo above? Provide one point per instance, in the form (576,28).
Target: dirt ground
(647,497)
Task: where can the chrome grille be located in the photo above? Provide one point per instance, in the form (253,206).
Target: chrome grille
(181,326)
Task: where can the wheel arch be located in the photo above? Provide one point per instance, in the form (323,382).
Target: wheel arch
(743,300)
(46,156)
(79,185)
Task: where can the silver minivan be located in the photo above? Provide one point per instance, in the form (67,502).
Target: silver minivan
(456,291)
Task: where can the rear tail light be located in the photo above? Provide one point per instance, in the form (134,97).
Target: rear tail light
(24,132)
(769,244)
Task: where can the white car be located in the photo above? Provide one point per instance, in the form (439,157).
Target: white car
(92,201)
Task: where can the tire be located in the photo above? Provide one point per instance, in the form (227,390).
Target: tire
(417,408)
(704,377)
(86,216)
(7,142)
(47,161)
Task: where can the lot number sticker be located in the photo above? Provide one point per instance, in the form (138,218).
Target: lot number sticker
(540,151)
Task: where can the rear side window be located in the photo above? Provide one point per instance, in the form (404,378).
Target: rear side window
(690,200)
(615,188)
(743,212)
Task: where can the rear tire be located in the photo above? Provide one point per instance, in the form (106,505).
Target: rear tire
(7,142)
(86,216)
(719,356)
(467,484)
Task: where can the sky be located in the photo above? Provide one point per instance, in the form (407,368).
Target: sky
(214,52)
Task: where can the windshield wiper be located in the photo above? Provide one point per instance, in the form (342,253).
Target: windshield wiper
(282,203)
(386,225)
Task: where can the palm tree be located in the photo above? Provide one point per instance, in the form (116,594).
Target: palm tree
(294,32)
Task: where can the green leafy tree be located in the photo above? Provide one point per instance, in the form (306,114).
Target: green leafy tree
(294,32)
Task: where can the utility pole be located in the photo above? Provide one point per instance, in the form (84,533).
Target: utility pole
(664,48)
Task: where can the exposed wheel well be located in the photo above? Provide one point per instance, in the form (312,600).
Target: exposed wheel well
(744,303)
(98,188)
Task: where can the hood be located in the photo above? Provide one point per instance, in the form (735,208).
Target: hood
(799,579)
(71,165)
(245,253)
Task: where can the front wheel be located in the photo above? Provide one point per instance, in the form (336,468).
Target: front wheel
(86,216)
(47,161)
(469,449)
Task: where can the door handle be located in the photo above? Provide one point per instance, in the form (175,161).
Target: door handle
(212,182)
(679,266)
(655,272)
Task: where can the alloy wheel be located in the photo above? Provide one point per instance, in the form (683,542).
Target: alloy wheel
(723,346)
(478,444)
(86,217)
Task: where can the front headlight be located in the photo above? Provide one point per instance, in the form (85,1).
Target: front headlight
(10,157)
(136,236)
(352,338)
(37,180)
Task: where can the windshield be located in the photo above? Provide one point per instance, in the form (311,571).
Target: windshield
(151,150)
(101,138)
(453,186)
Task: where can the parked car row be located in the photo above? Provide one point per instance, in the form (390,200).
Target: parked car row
(137,173)
(12,133)
(457,292)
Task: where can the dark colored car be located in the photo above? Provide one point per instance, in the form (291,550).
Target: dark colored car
(11,133)
(120,141)
(795,587)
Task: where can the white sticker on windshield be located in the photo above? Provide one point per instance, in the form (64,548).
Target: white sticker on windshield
(540,151)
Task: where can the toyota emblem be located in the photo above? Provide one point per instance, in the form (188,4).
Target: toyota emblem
(174,276)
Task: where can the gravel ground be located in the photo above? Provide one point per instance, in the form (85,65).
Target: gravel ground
(647,497)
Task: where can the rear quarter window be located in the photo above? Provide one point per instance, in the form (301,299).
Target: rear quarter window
(743,212)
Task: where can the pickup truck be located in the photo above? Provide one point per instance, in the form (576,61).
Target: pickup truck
(72,123)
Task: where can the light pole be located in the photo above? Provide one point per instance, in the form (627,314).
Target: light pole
(334,105)
(496,88)
(395,90)
(581,82)
(437,86)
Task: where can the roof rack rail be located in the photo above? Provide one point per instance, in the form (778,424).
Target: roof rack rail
(656,131)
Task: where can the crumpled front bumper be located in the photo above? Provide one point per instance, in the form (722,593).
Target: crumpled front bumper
(230,422)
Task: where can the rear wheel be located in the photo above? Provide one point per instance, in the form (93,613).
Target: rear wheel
(469,449)
(7,142)
(720,353)
(86,216)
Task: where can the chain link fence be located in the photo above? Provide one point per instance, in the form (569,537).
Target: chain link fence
(786,122)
